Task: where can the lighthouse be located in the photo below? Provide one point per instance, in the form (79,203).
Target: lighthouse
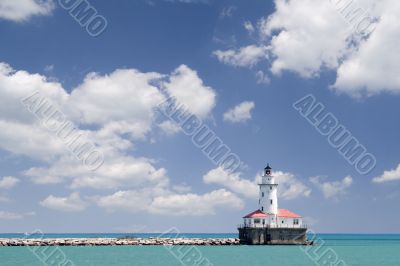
(268,224)
(268,198)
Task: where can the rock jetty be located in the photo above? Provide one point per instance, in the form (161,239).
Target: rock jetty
(117,241)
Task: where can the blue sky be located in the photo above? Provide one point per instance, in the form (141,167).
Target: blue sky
(237,66)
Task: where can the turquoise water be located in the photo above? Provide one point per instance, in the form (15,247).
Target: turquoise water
(363,250)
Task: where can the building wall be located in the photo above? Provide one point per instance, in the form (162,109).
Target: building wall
(270,221)
(250,222)
(289,222)
(273,236)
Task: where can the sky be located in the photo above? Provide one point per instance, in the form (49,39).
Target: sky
(240,67)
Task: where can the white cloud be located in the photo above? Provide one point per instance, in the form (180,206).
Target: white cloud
(289,186)
(249,27)
(310,36)
(188,89)
(124,95)
(21,134)
(22,10)
(115,109)
(196,205)
(14,216)
(232,181)
(247,56)
(16,85)
(374,66)
(332,189)
(306,46)
(240,113)
(391,175)
(72,203)
(8,182)
(117,171)
(160,201)
(170,127)
(29,139)
(262,78)
(129,200)
(302,39)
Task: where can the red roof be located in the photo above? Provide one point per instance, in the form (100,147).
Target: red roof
(287,214)
(281,213)
(256,214)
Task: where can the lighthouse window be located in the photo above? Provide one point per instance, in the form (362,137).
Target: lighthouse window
(270,187)
(262,194)
(256,221)
(295,221)
(262,208)
(271,201)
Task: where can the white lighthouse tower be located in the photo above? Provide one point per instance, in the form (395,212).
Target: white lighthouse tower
(268,199)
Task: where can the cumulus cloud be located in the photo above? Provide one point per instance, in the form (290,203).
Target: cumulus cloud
(247,56)
(232,181)
(22,10)
(21,133)
(29,139)
(290,187)
(302,36)
(188,89)
(240,113)
(341,36)
(165,202)
(125,95)
(8,182)
(117,171)
(373,66)
(112,111)
(332,189)
(71,203)
(196,205)
(390,175)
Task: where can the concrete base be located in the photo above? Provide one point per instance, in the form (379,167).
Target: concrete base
(273,236)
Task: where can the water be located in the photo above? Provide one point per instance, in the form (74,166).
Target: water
(362,250)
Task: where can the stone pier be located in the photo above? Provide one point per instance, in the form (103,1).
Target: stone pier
(117,241)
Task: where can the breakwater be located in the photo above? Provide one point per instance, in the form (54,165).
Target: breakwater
(117,241)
